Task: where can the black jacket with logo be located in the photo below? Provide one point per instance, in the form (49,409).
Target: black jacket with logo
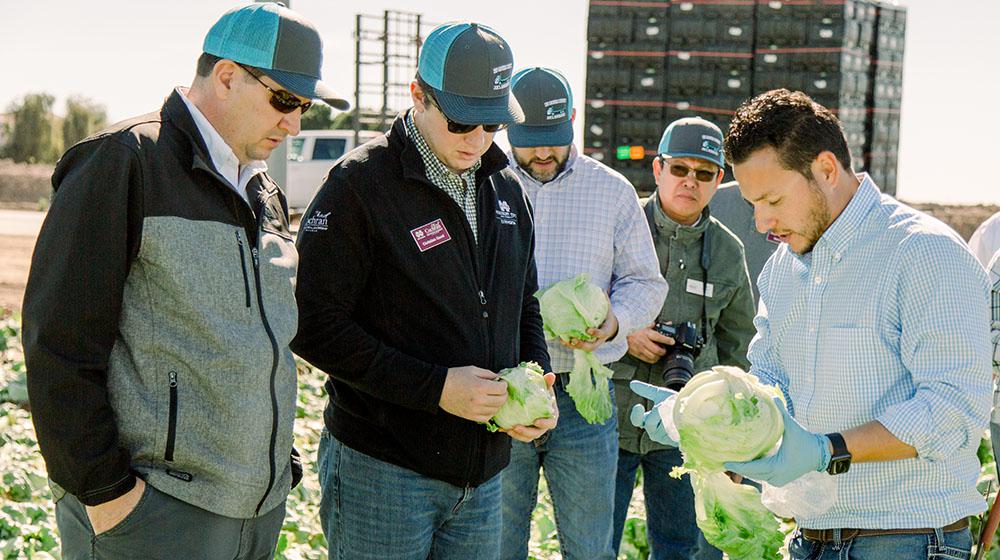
(393,290)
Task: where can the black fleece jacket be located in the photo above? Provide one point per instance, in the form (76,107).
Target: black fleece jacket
(393,290)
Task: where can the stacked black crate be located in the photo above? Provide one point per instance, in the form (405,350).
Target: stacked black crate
(886,96)
(626,66)
(823,48)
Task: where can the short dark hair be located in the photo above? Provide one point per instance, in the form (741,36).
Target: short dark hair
(206,63)
(793,124)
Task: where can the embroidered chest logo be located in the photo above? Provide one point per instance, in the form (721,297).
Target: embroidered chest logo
(504,215)
(318,222)
(430,235)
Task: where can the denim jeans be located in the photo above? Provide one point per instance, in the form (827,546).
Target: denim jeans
(953,545)
(578,460)
(670,519)
(372,509)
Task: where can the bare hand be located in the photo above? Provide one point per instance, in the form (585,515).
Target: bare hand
(607,330)
(106,516)
(645,344)
(473,393)
(540,425)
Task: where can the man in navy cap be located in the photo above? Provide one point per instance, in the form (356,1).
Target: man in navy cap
(587,219)
(416,286)
(160,306)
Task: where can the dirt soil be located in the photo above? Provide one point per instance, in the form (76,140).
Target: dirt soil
(15,252)
(15,258)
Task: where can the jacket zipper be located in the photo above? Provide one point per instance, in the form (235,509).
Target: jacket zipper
(243,266)
(168,453)
(274,364)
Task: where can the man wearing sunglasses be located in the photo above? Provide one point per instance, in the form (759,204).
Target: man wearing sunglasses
(587,219)
(416,286)
(160,306)
(705,266)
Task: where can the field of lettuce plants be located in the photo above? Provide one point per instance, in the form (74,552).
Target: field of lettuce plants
(27,524)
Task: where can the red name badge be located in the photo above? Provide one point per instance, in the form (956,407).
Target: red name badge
(430,235)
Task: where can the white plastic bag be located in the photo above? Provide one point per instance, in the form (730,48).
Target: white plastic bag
(807,496)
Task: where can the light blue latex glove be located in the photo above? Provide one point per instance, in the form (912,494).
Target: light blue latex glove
(801,452)
(651,420)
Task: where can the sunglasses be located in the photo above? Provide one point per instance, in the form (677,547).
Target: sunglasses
(460,128)
(702,175)
(283,101)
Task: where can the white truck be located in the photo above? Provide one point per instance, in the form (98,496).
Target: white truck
(301,162)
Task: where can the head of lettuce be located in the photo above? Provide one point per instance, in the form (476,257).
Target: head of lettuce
(528,398)
(569,308)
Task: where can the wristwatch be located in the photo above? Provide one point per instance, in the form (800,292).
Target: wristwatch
(840,461)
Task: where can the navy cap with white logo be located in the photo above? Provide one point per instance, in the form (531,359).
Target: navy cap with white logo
(468,66)
(547,101)
(693,137)
(279,42)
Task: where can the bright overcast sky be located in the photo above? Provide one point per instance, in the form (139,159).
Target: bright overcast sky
(128,54)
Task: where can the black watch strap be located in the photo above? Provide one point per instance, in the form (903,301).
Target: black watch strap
(840,459)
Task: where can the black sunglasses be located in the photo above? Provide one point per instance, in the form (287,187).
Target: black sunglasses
(283,101)
(702,175)
(459,128)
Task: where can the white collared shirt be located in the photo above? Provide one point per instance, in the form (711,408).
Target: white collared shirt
(223,158)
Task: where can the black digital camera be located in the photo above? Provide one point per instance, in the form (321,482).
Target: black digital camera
(678,364)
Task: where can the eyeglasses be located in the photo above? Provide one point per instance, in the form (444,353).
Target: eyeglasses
(702,175)
(460,128)
(283,101)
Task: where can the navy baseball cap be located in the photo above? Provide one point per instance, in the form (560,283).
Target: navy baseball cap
(468,66)
(547,101)
(693,137)
(279,42)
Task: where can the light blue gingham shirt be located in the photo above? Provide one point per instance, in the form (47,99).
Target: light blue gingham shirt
(885,319)
(588,219)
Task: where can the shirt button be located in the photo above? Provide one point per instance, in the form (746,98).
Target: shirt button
(818,280)
(836,257)
(812,329)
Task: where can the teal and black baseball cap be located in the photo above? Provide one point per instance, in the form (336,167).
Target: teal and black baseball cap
(468,66)
(279,42)
(693,137)
(547,102)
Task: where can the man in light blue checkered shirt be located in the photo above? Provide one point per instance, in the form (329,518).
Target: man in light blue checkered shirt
(587,219)
(873,322)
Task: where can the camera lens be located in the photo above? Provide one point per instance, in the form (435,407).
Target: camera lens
(678,369)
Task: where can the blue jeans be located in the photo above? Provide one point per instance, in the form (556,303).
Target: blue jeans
(670,519)
(953,545)
(579,464)
(375,510)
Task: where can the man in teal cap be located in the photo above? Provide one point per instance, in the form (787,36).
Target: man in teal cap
(415,288)
(160,306)
(588,220)
(705,266)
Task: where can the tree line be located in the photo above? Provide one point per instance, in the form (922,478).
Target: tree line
(37,135)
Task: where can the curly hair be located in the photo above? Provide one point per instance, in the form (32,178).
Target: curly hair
(793,124)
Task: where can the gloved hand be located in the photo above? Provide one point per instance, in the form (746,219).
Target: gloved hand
(801,451)
(651,421)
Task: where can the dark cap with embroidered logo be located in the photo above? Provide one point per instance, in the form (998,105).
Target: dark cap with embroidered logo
(693,137)
(547,101)
(468,66)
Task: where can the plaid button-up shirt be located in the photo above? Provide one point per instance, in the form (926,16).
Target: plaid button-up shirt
(885,319)
(461,188)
